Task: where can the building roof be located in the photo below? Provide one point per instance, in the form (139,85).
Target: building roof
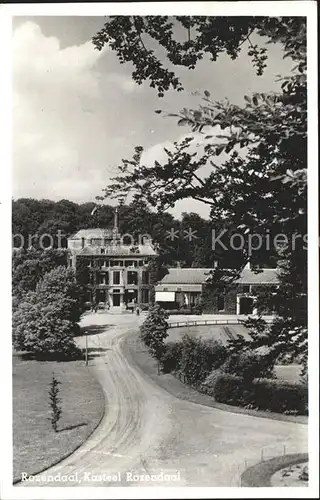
(184,275)
(265,277)
(96,232)
(110,242)
(195,275)
(118,250)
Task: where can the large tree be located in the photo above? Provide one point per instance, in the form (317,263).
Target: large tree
(259,186)
(46,319)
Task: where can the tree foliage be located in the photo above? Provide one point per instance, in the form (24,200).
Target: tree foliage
(154,330)
(45,320)
(30,266)
(186,40)
(257,152)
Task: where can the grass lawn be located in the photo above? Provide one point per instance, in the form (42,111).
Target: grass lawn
(35,445)
(288,373)
(216,332)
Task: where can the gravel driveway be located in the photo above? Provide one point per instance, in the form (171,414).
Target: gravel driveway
(147,431)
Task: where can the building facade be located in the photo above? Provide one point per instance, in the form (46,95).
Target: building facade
(117,269)
(184,288)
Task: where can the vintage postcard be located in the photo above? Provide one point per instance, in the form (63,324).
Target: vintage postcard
(159,209)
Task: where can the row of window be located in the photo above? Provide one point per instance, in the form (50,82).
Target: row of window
(119,263)
(132,278)
(101,296)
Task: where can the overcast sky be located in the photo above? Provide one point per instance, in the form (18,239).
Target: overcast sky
(77,111)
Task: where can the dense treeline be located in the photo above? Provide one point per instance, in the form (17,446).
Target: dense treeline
(186,241)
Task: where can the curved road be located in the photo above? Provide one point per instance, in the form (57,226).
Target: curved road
(146,430)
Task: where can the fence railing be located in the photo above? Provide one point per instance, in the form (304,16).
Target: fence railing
(205,322)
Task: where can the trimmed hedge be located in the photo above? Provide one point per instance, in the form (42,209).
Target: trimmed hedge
(196,310)
(179,311)
(267,395)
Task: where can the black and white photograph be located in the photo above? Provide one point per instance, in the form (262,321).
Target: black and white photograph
(163,280)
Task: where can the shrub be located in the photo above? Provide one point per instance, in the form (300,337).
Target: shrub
(170,360)
(197,309)
(229,389)
(280,396)
(262,394)
(180,311)
(248,365)
(199,357)
(208,385)
(144,307)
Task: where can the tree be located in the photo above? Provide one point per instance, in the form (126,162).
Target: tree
(54,402)
(154,331)
(135,40)
(45,321)
(257,152)
(29,267)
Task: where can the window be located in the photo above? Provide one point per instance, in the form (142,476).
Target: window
(70,262)
(116,277)
(116,263)
(221,303)
(145,277)
(132,278)
(194,298)
(102,250)
(102,279)
(145,296)
(131,263)
(96,241)
(246,289)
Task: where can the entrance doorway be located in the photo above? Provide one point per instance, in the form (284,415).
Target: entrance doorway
(116,299)
(246,305)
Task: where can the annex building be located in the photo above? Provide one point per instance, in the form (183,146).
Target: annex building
(184,287)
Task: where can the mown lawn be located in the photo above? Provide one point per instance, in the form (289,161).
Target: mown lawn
(35,445)
(216,332)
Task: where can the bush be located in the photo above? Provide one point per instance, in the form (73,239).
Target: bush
(229,389)
(144,307)
(267,395)
(199,357)
(281,397)
(170,360)
(178,311)
(248,365)
(197,309)
(208,385)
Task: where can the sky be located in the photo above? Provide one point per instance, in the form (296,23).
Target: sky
(77,112)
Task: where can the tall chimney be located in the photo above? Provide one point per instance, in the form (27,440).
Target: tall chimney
(82,242)
(116,219)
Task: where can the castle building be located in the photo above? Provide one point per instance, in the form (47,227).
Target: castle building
(118,275)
